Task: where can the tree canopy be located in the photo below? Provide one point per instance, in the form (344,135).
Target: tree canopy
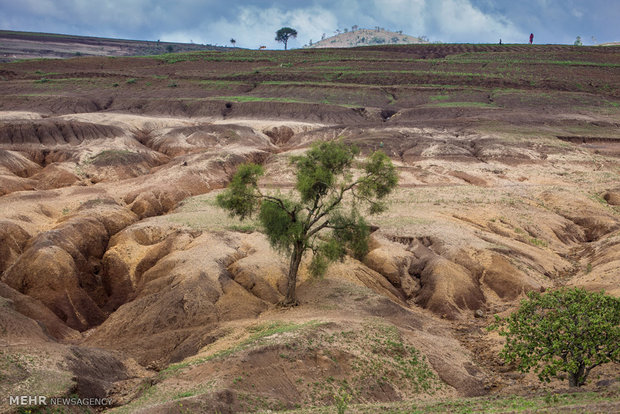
(567,330)
(316,216)
(284,34)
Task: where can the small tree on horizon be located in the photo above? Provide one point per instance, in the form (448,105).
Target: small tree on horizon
(578,41)
(567,330)
(284,34)
(317,217)
(233,41)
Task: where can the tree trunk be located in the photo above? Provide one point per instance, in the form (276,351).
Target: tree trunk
(285,44)
(577,379)
(291,299)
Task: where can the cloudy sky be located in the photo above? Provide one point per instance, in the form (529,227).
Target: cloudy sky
(254,22)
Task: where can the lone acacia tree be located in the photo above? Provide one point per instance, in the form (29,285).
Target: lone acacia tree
(284,34)
(317,217)
(567,330)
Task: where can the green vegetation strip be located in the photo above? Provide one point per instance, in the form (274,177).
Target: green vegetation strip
(258,99)
(460,105)
(559,403)
(513,59)
(213,57)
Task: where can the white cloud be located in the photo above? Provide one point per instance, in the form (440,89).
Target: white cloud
(460,21)
(254,22)
(445,20)
(253,27)
(407,15)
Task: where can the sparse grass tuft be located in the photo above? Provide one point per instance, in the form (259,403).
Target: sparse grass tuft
(113,157)
(460,105)
(257,334)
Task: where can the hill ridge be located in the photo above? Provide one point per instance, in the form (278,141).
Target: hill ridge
(15,45)
(367,37)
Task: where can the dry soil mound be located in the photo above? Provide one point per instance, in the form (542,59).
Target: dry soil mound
(61,267)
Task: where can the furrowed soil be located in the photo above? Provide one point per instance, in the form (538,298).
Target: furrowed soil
(121,279)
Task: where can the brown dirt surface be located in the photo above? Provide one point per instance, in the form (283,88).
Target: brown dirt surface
(119,276)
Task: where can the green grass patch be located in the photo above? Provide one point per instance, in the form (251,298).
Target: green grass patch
(578,63)
(557,403)
(214,56)
(150,395)
(202,213)
(460,105)
(220,84)
(513,60)
(538,242)
(171,58)
(326,67)
(437,98)
(113,157)
(184,394)
(243,228)
(42,73)
(241,99)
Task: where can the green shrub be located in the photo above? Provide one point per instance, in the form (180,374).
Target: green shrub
(567,330)
(342,399)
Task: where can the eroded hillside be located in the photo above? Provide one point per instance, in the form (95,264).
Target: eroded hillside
(121,278)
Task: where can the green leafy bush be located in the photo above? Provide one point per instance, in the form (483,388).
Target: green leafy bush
(567,330)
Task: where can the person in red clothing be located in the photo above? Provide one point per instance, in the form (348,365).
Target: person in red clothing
(531,38)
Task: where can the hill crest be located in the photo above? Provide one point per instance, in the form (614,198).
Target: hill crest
(367,37)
